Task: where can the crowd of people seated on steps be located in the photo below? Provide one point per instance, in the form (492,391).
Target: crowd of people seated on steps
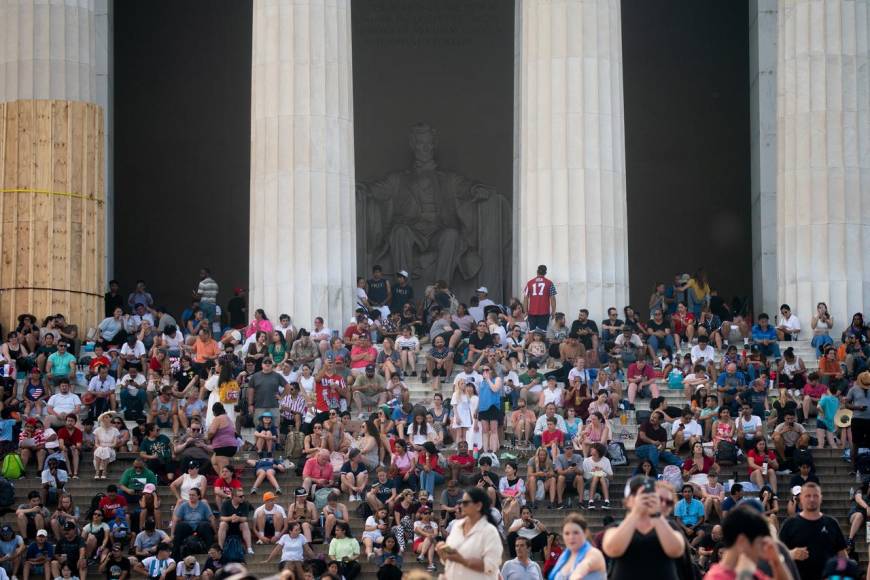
(546,402)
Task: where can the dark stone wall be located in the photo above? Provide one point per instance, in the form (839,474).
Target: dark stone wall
(182,113)
(686,87)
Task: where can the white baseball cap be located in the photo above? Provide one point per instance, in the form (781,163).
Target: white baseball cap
(41,533)
(483,289)
(403,273)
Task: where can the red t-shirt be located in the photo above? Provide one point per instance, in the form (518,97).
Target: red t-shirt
(225,487)
(548,437)
(816,391)
(466,461)
(720,572)
(539,289)
(70,438)
(327,391)
(759,459)
(681,325)
(109,505)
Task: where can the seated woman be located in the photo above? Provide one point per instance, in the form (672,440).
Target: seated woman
(712,494)
(540,472)
(406,464)
(512,492)
(430,470)
(344,551)
(858,512)
(598,472)
(724,430)
(697,466)
(597,430)
(333,513)
(426,533)
(294,550)
(377,526)
(761,464)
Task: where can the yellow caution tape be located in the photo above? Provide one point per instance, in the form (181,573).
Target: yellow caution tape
(70,194)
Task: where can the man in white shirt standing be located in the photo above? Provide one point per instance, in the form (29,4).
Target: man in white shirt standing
(467,373)
(482,298)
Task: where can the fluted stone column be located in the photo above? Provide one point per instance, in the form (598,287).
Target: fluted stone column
(52,169)
(823,135)
(570,212)
(302,232)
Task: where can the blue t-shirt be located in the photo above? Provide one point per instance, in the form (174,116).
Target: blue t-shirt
(193,516)
(758,334)
(691,512)
(61,364)
(829,404)
(34,551)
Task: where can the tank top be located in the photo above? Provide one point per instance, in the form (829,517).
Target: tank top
(790,369)
(562,569)
(188,483)
(14,353)
(224,437)
(644,558)
(164,407)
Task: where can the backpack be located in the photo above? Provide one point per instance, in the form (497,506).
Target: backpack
(7,493)
(616,453)
(320,497)
(803,455)
(726,454)
(234,551)
(12,467)
(229,393)
(193,545)
(863,464)
(673,475)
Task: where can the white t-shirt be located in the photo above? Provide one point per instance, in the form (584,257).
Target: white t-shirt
(98,385)
(420,524)
(708,353)
(181,570)
(583,375)
(292,548)
(47,433)
(411,342)
(139,380)
(322,334)
(749,425)
(64,403)
(420,438)
(692,428)
(276,509)
(554,396)
(60,476)
(792,323)
(138,349)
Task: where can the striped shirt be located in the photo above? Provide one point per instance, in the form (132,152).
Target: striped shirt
(290,405)
(208,290)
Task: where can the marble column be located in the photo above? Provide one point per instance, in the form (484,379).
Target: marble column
(823,153)
(52,169)
(570,211)
(762,118)
(302,232)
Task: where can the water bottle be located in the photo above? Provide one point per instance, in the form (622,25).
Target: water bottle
(772,381)
(476,452)
(764,469)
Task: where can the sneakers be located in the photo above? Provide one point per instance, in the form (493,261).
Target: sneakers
(251,551)
(431,567)
(592,505)
(784,472)
(253,491)
(606,504)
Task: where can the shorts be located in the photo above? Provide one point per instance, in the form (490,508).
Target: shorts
(228,451)
(490,414)
(417,543)
(366,400)
(821,425)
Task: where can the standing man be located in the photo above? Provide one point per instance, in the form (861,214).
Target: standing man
(539,300)
(858,400)
(403,292)
(812,537)
(379,291)
(265,388)
(207,292)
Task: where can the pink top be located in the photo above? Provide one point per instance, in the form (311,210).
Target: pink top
(259,326)
(224,436)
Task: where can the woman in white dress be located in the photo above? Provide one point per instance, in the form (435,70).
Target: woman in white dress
(105,441)
(220,375)
(464,402)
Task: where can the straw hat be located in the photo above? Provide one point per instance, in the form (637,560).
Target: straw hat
(843,418)
(864,379)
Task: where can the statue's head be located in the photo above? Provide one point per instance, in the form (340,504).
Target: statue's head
(423,141)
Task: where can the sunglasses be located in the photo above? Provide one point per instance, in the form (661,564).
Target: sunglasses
(318,428)
(466,502)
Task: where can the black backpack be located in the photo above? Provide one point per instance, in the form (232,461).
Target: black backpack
(863,464)
(726,454)
(193,545)
(7,493)
(234,551)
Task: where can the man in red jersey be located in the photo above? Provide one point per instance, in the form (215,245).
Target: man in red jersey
(539,300)
(327,390)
